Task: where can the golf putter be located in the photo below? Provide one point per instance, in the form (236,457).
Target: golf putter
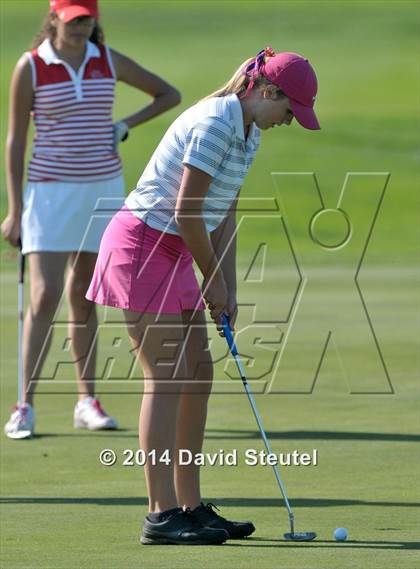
(20,434)
(292,536)
(20,322)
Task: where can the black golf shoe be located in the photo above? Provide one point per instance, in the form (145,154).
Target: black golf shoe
(181,527)
(207,516)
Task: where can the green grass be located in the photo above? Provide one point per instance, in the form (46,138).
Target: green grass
(61,509)
(74,512)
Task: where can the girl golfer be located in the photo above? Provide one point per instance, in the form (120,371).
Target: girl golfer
(67,84)
(183,209)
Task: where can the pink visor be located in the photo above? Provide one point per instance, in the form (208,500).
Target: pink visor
(68,10)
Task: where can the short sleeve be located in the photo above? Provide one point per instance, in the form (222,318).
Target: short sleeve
(207,143)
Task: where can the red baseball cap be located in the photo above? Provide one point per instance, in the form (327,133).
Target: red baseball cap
(68,10)
(295,76)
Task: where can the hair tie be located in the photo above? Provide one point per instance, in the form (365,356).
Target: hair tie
(253,69)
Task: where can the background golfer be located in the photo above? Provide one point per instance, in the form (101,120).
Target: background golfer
(67,84)
(183,209)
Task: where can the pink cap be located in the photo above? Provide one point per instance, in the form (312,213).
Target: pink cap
(295,76)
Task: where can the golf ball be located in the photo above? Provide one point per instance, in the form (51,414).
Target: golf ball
(340,534)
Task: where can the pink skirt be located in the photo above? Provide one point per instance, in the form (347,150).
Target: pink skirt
(142,269)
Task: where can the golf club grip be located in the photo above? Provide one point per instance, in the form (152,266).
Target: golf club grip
(21,262)
(228,334)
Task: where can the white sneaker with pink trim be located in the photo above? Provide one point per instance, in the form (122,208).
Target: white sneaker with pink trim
(21,424)
(88,414)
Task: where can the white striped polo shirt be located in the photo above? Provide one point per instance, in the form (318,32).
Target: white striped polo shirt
(209,136)
(72,113)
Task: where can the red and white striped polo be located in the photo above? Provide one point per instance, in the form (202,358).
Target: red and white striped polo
(72,113)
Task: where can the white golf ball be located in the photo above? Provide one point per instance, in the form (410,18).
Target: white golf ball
(340,534)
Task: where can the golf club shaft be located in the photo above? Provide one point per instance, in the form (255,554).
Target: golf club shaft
(20,324)
(234,351)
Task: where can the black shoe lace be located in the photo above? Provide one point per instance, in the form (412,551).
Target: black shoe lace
(209,507)
(192,518)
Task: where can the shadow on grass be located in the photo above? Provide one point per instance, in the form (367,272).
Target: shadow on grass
(265,543)
(227,502)
(310,435)
(119,433)
(233,434)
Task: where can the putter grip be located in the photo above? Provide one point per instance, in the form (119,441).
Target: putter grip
(21,262)
(228,334)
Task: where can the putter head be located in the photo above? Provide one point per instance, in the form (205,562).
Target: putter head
(300,536)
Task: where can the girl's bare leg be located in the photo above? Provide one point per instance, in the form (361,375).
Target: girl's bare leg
(159,348)
(193,407)
(46,275)
(83,321)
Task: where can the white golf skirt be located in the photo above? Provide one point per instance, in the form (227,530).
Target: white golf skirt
(63,216)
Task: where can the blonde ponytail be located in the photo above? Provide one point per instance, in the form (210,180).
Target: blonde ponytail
(239,82)
(236,84)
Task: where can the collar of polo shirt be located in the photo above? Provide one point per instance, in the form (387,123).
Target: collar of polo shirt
(47,53)
(238,118)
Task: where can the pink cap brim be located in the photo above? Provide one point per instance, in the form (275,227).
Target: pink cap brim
(71,12)
(304,115)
